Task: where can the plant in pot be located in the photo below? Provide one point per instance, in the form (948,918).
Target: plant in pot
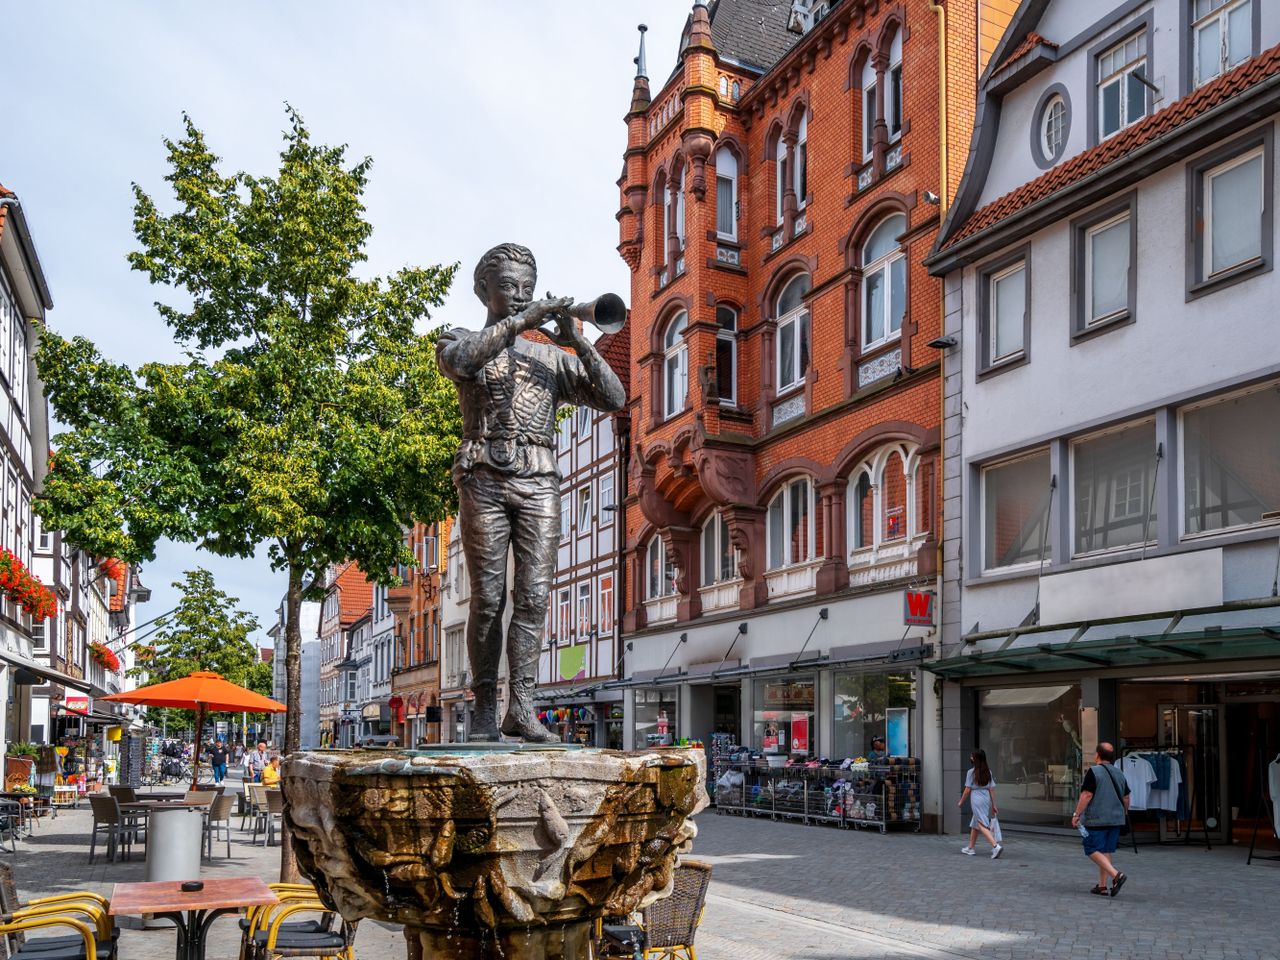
(19,761)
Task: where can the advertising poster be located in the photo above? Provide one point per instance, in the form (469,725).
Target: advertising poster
(800,733)
(898,725)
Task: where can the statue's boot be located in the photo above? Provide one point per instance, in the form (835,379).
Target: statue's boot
(484,716)
(521,720)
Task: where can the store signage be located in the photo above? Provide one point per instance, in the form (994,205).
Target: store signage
(800,733)
(79,704)
(917,608)
(789,695)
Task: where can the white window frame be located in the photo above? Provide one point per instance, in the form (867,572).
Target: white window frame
(1121,76)
(869,112)
(982,508)
(564,614)
(1223,17)
(800,164)
(565,433)
(883,264)
(893,96)
(1090,321)
(584,422)
(565,516)
(718,527)
(584,508)
(780,178)
(730,337)
(727,169)
(1207,272)
(810,546)
(1048,146)
(606,500)
(666,572)
(993,321)
(675,363)
(1152,532)
(794,317)
(605,624)
(583,609)
(873,468)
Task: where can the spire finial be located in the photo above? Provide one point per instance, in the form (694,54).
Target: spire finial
(642,69)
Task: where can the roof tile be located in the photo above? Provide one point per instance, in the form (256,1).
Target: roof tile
(1032,41)
(1251,72)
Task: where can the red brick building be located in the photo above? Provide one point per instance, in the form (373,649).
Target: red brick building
(415,673)
(780,190)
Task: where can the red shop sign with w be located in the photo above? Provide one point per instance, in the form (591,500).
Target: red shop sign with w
(917,608)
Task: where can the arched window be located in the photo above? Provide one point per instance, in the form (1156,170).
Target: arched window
(889,497)
(793,333)
(884,282)
(727,355)
(737,90)
(679,208)
(660,580)
(791,513)
(719,559)
(781,167)
(675,366)
(726,194)
(891,79)
(893,89)
(724,86)
(802,163)
(869,111)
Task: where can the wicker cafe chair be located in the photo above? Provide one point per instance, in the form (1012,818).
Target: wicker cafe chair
(87,909)
(669,925)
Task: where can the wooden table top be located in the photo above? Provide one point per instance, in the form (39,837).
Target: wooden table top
(166,896)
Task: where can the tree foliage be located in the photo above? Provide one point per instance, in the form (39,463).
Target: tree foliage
(308,414)
(207,631)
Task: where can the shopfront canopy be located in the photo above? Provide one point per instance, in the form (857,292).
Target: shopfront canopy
(44,672)
(1188,638)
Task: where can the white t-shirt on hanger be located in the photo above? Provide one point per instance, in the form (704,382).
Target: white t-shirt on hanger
(1139,774)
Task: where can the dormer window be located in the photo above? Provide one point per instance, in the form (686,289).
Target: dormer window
(1122,92)
(1223,36)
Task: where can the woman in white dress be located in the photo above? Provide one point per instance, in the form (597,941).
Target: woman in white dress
(980,791)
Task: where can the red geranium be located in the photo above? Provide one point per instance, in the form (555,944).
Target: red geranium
(25,589)
(101,653)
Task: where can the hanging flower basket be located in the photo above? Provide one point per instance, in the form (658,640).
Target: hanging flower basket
(101,654)
(23,588)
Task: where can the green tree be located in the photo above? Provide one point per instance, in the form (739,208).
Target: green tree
(308,415)
(206,632)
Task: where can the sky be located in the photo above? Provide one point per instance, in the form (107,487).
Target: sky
(487,121)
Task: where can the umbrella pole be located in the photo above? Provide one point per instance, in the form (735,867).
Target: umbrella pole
(195,759)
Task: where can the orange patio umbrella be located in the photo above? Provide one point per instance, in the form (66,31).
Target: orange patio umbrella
(204,692)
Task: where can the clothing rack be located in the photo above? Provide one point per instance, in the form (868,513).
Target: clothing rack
(1173,751)
(1265,808)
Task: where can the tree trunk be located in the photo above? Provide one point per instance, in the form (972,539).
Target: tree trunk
(293,700)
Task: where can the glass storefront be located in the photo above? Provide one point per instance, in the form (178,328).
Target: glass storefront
(869,705)
(657,709)
(783,720)
(1032,739)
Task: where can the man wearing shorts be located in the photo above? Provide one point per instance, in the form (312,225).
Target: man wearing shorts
(1100,813)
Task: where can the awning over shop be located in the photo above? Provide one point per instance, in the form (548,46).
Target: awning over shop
(1201,636)
(45,672)
(376,711)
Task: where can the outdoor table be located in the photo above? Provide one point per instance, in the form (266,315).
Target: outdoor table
(191,913)
(29,806)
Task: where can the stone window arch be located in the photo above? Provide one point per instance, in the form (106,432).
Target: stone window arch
(889,512)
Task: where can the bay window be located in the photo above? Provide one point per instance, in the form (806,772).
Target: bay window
(884,283)
(718,556)
(1015,506)
(791,533)
(793,334)
(1231,467)
(1113,488)
(675,366)
(727,355)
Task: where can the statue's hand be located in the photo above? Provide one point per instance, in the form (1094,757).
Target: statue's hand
(536,313)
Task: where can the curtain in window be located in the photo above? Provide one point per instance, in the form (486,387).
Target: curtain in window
(724,207)
(1236,203)
(1109,270)
(1010,300)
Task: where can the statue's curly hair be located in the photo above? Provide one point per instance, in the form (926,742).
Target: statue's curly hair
(511,252)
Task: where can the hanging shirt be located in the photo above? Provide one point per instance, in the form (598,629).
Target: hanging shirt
(1140,775)
(1167,799)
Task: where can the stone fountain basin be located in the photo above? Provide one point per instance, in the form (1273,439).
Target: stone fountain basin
(472,837)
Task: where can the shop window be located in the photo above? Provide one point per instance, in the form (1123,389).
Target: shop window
(656,713)
(793,334)
(726,194)
(870,705)
(884,283)
(791,534)
(727,355)
(1031,736)
(1122,94)
(1231,467)
(1222,36)
(661,579)
(1113,488)
(675,365)
(784,716)
(719,559)
(1015,503)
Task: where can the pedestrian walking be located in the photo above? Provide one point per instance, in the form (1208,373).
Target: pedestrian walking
(980,791)
(218,761)
(1100,813)
(256,762)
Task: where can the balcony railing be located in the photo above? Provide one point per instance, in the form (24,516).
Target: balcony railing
(888,561)
(661,610)
(796,580)
(721,596)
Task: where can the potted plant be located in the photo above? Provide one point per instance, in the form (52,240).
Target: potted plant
(19,761)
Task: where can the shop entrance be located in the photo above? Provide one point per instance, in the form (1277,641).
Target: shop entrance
(728,710)
(1195,736)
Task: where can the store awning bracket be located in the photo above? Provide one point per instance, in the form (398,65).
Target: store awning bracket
(822,615)
(741,631)
(1186,652)
(1073,655)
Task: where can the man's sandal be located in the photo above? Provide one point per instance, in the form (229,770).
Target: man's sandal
(1116,883)
(1101,891)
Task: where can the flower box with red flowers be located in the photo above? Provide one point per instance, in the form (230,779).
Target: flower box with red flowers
(101,654)
(25,589)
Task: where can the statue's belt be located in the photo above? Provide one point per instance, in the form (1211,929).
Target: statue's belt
(527,439)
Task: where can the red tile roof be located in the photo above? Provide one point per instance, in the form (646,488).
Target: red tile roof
(355,594)
(1212,94)
(615,348)
(121,578)
(1032,41)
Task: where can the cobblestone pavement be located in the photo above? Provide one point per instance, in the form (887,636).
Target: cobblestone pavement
(788,891)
